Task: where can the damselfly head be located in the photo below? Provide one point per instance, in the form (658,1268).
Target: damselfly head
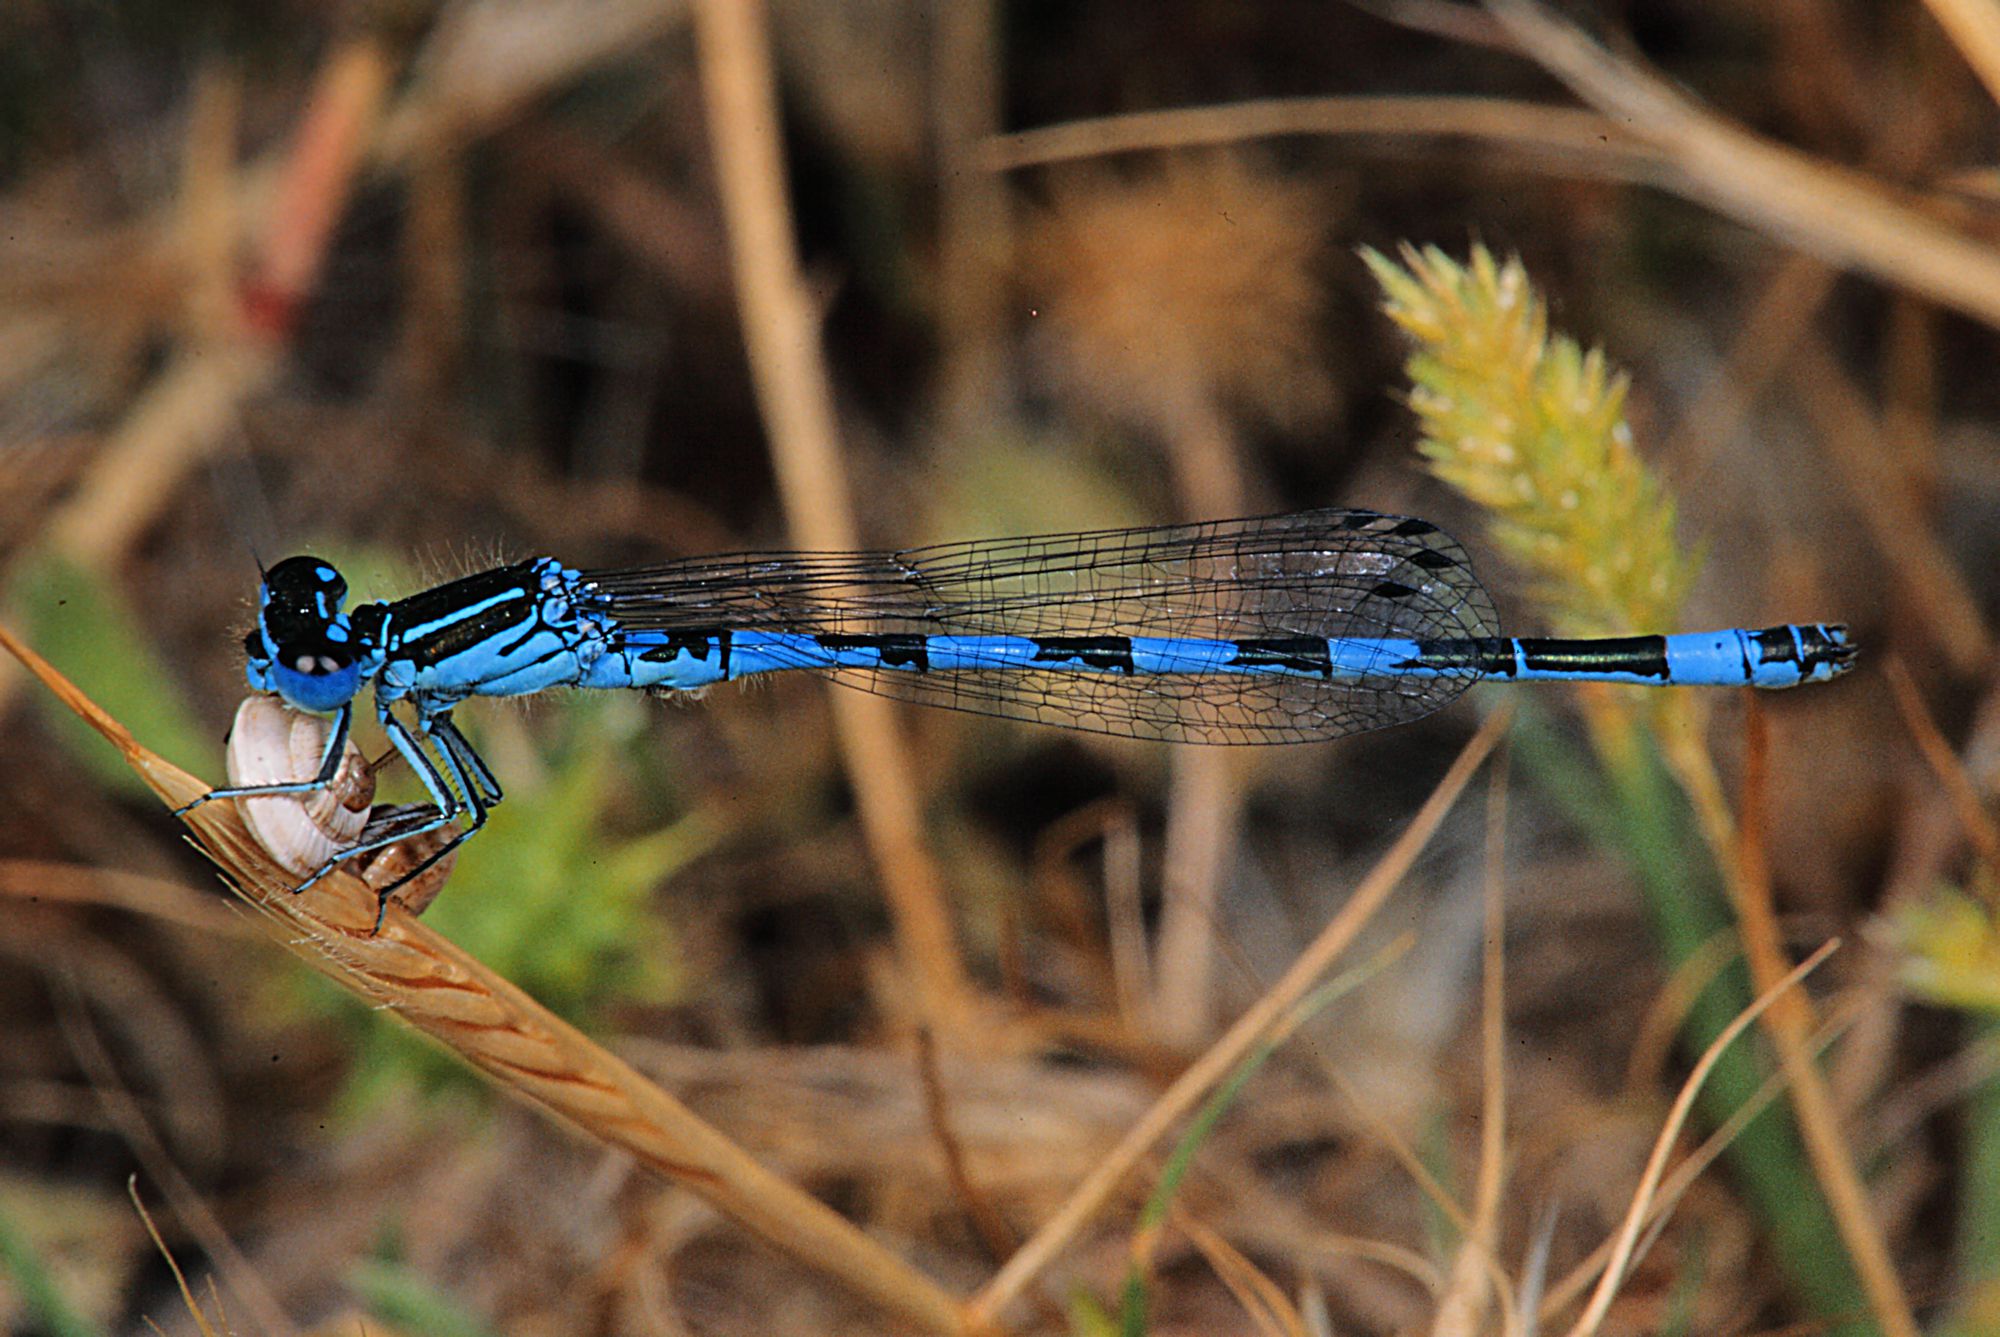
(303,647)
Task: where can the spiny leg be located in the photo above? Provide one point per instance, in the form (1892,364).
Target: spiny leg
(329,766)
(468,757)
(459,758)
(443,797)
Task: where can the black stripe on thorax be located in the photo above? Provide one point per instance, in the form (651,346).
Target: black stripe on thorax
(433,625)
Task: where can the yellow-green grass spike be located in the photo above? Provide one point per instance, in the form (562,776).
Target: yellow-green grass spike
(1531,427)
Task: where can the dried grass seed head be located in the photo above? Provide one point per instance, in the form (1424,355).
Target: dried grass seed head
(1196,282)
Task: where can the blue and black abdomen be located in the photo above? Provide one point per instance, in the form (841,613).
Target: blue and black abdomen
(1281,629)
(1773,657)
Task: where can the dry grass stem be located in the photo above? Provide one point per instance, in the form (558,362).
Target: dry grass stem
(1659,1030)
(1897,523)
(178,419)
(1204,816)
(1790,1024)
(1930,841)
(1827,210)
(1125,920)
(74,884)
(1563,137)
(986,1220)
(185,412)
(1221,1058)
(1627,1236)
(1461,1310)
(1400,1149)
(1441,18)
(210,205)
(1902,1114)
(331,144)
(483,65)
(1966,801)
(1677,1182)
(1397,1257)
(781,331)
(1974,26)
(1261,1298)
(122,1111)
(1781,315)
(975,240)
(667,229)
(201,1322)
(528,1051)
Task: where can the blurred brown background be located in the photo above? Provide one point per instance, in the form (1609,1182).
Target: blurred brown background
(419,287)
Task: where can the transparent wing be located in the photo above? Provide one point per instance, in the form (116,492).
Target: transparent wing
(1326,573)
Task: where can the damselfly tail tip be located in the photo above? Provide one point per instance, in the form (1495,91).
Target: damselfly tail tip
(1826,652)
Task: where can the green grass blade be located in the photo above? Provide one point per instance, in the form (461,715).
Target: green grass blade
(1153,1215)
(36,1285)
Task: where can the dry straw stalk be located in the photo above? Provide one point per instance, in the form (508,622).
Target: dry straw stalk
(426,980)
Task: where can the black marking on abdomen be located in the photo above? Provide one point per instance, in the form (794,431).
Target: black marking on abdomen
(1809,647)
(1489,655)
(1826,645)
(1495,656)
(1294,654)
(1100,652)
(1430,559)
(1775,645)
(1640,656)
(904,650)
(1393,589)
(1412,528)
(699,644)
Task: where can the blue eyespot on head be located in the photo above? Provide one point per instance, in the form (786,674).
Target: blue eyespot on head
(303,647)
